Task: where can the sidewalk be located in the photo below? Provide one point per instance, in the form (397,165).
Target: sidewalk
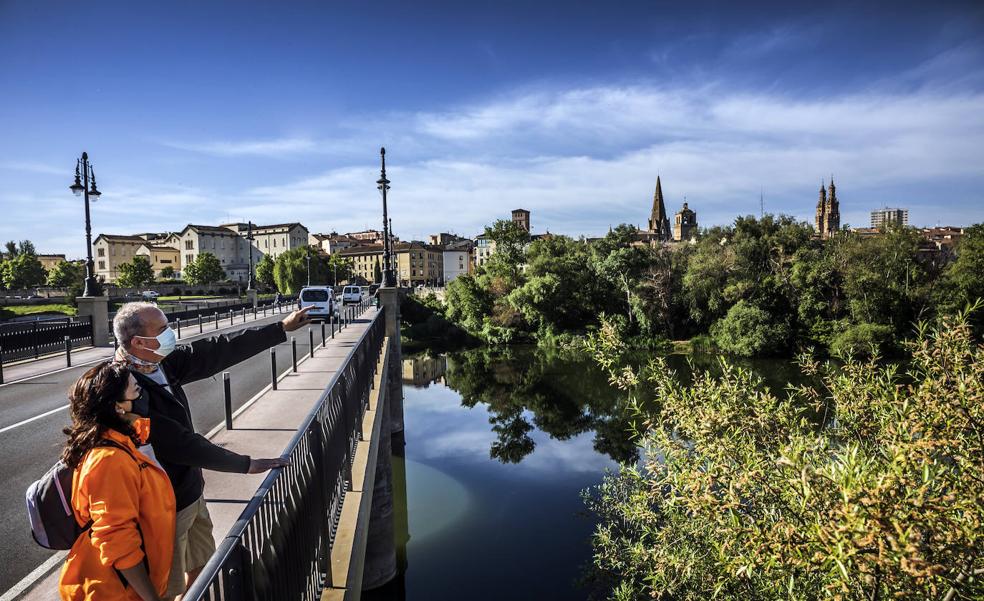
(261,428)
(30,368)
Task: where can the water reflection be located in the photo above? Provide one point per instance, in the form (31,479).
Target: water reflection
(524,390)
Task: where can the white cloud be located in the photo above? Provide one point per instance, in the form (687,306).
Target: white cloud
(271,148)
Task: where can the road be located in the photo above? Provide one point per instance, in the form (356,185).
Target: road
(28,451)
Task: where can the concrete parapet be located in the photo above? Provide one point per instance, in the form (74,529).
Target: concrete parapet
(96,307)
(389,299)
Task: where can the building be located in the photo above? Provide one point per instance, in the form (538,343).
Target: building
(483,250)
(227,246)
(368,236)
(828,212)
(685,224)
(332,243)
(160,257)
(49,261)
(885,216)
(366,261)
(444,239)
(457,260)
(521,217)
(659,224)
(272,240)
(109,251)
(419,264)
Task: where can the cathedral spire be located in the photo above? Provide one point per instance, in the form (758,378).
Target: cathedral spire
(659,221)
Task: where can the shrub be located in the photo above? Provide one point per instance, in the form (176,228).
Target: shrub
(742,494)
(863,340)
(748,331)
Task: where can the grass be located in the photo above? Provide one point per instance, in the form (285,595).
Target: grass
(9,311)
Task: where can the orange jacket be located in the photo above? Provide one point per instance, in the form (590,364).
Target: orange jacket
(119,495)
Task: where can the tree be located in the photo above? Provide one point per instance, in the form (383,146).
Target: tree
(22,271)
(290,270)
(264,271)
(66,273)
(11,247)
(205,269)
(26,247)
(136,273)
(167,273)
(745,494)
(963,281)
(749,331)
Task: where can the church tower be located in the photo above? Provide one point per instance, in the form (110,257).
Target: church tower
(659,221)
(828,211)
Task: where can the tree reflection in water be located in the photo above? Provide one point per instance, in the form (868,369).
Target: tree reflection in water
(524,388)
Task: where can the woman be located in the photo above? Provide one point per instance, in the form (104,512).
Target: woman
(124,497)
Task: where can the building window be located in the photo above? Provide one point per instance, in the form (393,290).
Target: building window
(102,264)
(189,245)
(101,252)
(275,243)
(189,259)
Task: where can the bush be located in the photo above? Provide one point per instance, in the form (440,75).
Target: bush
(864,340)
(748,331)
(743,494)
(702,344)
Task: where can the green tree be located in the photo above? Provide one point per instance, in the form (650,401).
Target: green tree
(264,271)
(290,270)
(510,242)
(66,273)
(136,273)
(963,281)
(749,331)
(167,273)
(22,271)
(744,494)
(205,269)
(11,247)
(337,265)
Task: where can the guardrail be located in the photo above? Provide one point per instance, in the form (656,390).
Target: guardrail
(22,339)
(280,547)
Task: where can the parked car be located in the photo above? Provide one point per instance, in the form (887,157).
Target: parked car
(319,298)
(149,295)
(351,294)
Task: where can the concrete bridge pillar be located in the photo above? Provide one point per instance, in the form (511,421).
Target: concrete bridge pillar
(97,307)
(389,298)
(380,563)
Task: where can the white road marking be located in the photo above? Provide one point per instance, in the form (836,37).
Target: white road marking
(31,419)
(39,572)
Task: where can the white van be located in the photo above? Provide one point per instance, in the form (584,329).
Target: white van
(320,298)
(351,294)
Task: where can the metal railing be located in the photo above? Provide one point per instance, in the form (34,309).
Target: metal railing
(280,547)
(23,339)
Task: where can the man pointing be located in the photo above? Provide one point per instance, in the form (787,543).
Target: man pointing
(148,346)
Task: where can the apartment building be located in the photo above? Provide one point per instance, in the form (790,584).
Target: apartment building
(419,264)
(49,261)
(457,260)
(160,256)
(483,251)
(364,260)
(272,240)
(109,251)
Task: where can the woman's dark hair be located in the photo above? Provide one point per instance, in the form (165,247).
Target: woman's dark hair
(93,401)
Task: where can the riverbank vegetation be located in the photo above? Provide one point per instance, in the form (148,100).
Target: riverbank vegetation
(866,486)
(759,287)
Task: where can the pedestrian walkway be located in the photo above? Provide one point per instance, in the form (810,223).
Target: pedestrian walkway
(261,428)
(32,368)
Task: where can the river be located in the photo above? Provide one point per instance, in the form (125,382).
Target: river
(499,447)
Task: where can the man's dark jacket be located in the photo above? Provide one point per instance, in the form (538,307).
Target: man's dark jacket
(180,450)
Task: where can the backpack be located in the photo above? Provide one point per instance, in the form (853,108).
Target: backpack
(49,506)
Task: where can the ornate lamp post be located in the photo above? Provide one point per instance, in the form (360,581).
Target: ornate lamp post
(85,184)
(382,184)
(249,248)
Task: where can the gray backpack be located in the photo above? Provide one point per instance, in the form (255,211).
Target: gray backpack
(49,506)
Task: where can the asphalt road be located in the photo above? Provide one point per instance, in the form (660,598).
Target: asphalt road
(27,451)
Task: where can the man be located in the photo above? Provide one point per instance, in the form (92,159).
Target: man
(148,346)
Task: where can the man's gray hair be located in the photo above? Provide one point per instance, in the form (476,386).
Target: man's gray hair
(129,322)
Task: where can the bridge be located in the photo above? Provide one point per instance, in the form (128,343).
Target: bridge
(325,527)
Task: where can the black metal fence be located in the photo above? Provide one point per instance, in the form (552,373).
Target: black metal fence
(24,339)
(280,547)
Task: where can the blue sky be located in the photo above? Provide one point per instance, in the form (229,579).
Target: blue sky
(207,112)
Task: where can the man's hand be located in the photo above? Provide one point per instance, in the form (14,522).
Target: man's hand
(258,466)
(297,319)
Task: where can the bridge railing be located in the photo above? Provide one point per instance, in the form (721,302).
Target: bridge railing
(280,547)
(24,339)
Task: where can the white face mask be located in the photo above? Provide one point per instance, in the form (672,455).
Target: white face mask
(167,340)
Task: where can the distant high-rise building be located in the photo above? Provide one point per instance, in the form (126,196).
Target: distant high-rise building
(828,212)
(886,216)
(521,217)
(685,224)
(659,222)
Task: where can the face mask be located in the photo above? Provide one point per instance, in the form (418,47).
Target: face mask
(141,404)
(167,340)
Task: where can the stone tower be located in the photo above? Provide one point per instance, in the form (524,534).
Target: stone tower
(521,217)
(659,223)
(685,224)
(828,211)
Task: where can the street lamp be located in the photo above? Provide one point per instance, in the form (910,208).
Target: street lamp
(382,184)
(83,187)
(249,247)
